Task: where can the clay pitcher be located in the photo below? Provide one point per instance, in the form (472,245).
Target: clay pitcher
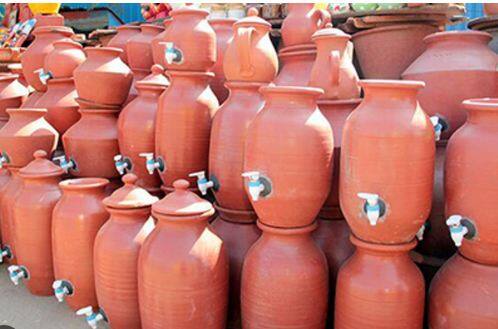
(295,67)
(10,193)
(139,49)
(302,20)
(64,59)
(125,33)
(12,94)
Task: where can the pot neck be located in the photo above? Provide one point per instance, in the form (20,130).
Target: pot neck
(238,90)
(98,113)
(459,38)
(297,233)
(140,215)
(181,78)
(326,44)
(85,186)
(291,98)
(391,92)
(384,250)
(29,114)
(151,29)
(195,222)
(42,180)
(99,53)
(482,111)
(149,91)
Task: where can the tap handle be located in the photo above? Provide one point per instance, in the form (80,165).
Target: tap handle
(118,157)
(252,175)
(147,155)
(371,198)
(199,174)
(87,311)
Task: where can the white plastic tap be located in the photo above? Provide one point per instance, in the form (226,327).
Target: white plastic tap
(438,127)
(91,318)
(64,164)
(372,206)
(44,76)
(16,273)
(420,233)
(172,54)
(202,183)
(61,289)
(121,164)
(150,163)
(457,230)
(255,185)
(3,160)
(5,253)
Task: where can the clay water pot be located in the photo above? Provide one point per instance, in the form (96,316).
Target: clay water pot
(295,68)
(405,45)
(183,266)
(25,132)
(32,222)
(66,56)
(16,68)
(302,20)
(12,93)
(379,286)
(303,145)
(76,219)
(490,9)
(387,163)
(250,56)
(471,182)
(4,180)
(295,297)
(462,295)
(139,49)
(457,65)
(158,46)
(34,56)
(116,250)
(125,33)
(92,143)
(49,20)
(31,100)
(9,195)
(103,78)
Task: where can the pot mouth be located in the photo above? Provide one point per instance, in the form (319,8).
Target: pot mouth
(28,110)
(128,27)
(83,183)
(401,84)
(222,21)
(351,101)
(273,89)
(245,85)
(68,43)
(287,231)
(457,35)
(9,77)
(236,216)
(67,31)
(60,80)
(383,247)
(86,104)
(109,50)
(486,104)
(98,111)
(152,27)
(391,28)
(188,11)
(173,73)
(297,53)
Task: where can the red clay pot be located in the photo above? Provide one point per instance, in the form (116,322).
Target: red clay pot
(490,9)
(32,222)
(12,93)
(405,45)
(64,59)
(139,49)
(301,22)
(457,65)
(295,68)
(379,287)
(32,99)
(103,78)
(157,48)
(295,297)
(76,219)
(303,145)
(183,266)
(125,33)
(9,195)
(16,68)
(116,250)
(49,20)
(387,163)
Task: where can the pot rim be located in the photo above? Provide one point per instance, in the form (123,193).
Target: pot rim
(240,216)
(487,104)
(59,29)
(15,66)
(457,35)
(98,110)
(128,27)
(329,101)
(9,77)
(301,47)
(83,183)
(91,105)
(273,89)
(111,50)
(187,11)
(152,27)
(27,110)
(287,230)
(60,80)
(297,53)
(390,28)
(68,42)
(382,247)
(245,84)
(222,21)
(176,73)
(405,84)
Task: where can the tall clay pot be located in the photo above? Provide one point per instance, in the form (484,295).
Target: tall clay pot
(66,56)
(295,297)
(183,266)
(301,22)
(125,33)
(76,219)
(139,49)
(158,46)
(9,195)
(12,94)
(295,67)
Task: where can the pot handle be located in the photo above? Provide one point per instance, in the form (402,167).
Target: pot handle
(322,17)
(243,42)
(335,64)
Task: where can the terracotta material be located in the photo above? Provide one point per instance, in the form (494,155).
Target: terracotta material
(32,99)
(49,20)
(388,151)
(103,78)
(116,250)
(125,33)
(456,66)
(295,297)
(9,195)
(295,68)
(405,45)
(301,22)
(12,93)
(63,60)
(303,145)
(76,219)
(490,9)
(139,49)
(183,266)
(16,68)
(32,222)
(379,287)
(157,44)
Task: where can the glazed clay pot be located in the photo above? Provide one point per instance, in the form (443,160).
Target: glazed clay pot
(303,145)
(387,163)
(125,33)
(295,297)
(157,44)
(10,193)
(32,222)
(103,78)
(139,49)
(456,66)
(12,93)
(63,60)
(301,22)
(296,67)
(379,287)
(251,56)
(183,266)
(116,250)
(405,45)
(76,219)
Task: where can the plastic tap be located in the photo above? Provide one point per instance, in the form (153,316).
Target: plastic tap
(122,164)
(92,318)
(5,252)
(420,232)
(460,228)
(65,164)
(62,288)
(372,206)
(4,159)
(439,124)
(44,76)
(202,183)
(152,164)
(173,55)
(17,273)
(256,184)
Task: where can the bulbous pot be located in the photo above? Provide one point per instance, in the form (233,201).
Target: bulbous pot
(9,196)
(295,68)
(32,99)
(139,49)
(66,56)
(125,33)
(302,20)
(387,163)
(158,46)
(12,93)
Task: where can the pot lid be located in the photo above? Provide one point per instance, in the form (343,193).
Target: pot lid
(329,32)
(252,19)
(130,195)
(41,167)
(155,79)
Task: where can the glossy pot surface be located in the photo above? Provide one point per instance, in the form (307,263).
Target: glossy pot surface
(302,20)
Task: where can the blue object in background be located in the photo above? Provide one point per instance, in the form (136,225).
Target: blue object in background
(473,10)
(128,12)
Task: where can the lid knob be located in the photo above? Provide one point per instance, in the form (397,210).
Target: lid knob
(181,185)
(328,25)
(40,154)
(157,69)
(253,11)
(129,179)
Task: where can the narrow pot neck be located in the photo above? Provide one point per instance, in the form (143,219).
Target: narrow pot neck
(192,79)
(130,215)
(243,90)
(483,112)
(383,250)
(391,93)
(94,113)
(291,98)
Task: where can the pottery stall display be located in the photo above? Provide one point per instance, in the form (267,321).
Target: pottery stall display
(139,50)
(12,95)
(66,56)
(9,195)
(302,21)
(125,33)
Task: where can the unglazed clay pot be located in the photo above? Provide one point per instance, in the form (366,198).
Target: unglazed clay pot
(405,45)
(49,20)
(463,295)
(387,163)
(250,56)
(158,46)
(16,68)
(103,78)
(301,22)
(457,65)
(295,297)
(303,145)
(12,93)
(295,68)
(9,195)
(25,132)
(125,33)
(183,266)
(63,60)
(116,250)
(32,223)
(379,287)
(32,99)
(139,49)
(77,218)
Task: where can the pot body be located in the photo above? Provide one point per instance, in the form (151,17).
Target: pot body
(63,60)
(12,93)
(125,33)
(301,22)
(139,49)
(9,196)
(32,99)
(296,67)
(157,48)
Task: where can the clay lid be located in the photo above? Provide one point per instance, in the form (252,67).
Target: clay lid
(130,195)
(252,19)
(329,32)
(9,77)
(155,79)
(41,167)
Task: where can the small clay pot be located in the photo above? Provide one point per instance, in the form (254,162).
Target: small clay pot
(63,60)
(302,21)
(12,93)
(125,33)
(139,49)
(9,196)
(295,68)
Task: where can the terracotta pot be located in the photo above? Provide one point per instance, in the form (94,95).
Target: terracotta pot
(379,287)
(49,20)
(157,48)
(76,219)
(183,266)
(293,298)
(462,295)
(16,68)
(456,66)
(490,9)
(116,250)
(12,93)
(4,180)
(125,33)
(405,45)
(32,223)
(251,56)
(139,49)
(387,170)
(32,99)
(63,60)
(9,195)
(303,145)
(295,68)
(91,144)
(25,132)
(34,56)
(103,78)
(302,21)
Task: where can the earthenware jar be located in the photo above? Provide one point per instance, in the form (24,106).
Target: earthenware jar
(301,22)
(103,78)
(303,145)
(32,223)
(251,56)
(295,67)
(457,65)
(387,133)
(125,33)
(64,59)
(158,46)
(16,68)
(32,99)
(116,250)
(139,49)
(393,300)
(76,219)
(183,240)
(294,298)
(12,94)
(9,195)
